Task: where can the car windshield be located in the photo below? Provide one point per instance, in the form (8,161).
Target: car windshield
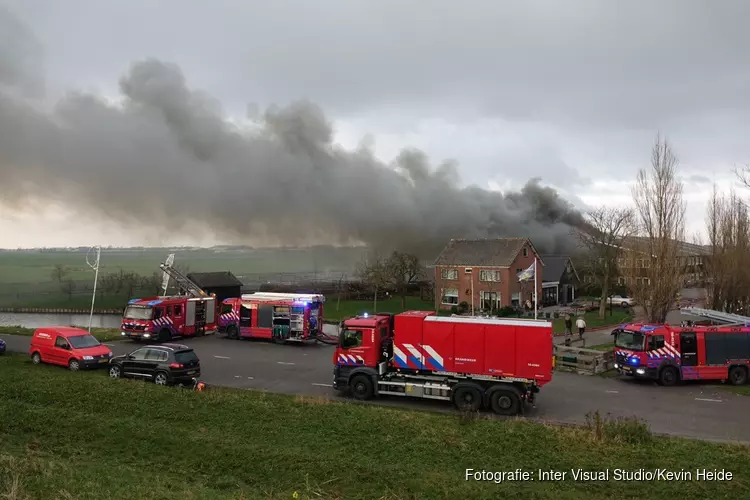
(83,341)
(226,308)
(632,341)
(185,356)
(138,312)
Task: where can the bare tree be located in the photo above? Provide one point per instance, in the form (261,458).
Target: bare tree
(397,272)
(728,263)
(402,270)
(373,273)
(68,287)
(59,272)
(660,219)
(602,242)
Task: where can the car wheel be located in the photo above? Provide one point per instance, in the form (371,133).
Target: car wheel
(625,304)
(36,358)
(161,378)
(115,371)
(74,365)
(232,332)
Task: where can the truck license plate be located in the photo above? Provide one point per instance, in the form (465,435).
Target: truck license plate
(103,360)
(191,372)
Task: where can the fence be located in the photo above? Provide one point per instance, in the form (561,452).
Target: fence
(583,361)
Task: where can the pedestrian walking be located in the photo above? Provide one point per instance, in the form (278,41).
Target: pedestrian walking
(581,325)
(568,325)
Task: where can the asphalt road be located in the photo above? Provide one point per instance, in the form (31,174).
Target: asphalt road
(693,410)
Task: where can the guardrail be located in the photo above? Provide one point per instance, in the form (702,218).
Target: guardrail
(583,361)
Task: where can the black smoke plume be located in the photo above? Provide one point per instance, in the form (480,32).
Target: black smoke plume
(166,159)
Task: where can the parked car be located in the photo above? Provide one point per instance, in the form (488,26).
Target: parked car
(68,346)
(2,346)
(164,364)
(619,300)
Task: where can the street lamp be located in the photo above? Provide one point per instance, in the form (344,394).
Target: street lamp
(95,267)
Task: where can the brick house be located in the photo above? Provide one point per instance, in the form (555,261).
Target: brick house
(484,273)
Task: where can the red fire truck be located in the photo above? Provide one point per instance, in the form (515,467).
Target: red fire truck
(282,317)
(163,318)
(472,362)
(668,354)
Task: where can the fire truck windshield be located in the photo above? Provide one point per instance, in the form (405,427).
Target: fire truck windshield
(633,341)
(138,312)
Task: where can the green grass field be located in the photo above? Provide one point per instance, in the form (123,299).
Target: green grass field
(83,436)
(37,267)
(101,334)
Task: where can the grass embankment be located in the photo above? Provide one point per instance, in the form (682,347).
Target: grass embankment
(63,434)
(101,334)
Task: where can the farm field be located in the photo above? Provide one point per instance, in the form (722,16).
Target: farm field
(27,278)
(85,426)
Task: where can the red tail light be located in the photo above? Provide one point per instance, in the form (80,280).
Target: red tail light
(176,365)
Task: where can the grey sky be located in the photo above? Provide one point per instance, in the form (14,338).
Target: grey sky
(571,92)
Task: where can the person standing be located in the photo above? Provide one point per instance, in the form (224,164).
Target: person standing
(581,325)
(568,325)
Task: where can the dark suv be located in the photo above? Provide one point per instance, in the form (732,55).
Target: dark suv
(164,364)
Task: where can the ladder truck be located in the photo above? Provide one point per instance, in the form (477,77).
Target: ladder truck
(162,318)
(669,354)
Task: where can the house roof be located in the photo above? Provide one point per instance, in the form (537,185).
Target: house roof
(499,252)
(684,248)
(554,267)
(214,280)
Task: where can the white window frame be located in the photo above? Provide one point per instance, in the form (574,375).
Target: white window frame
(488,297)
(449,292)
(449,274)
(489,275)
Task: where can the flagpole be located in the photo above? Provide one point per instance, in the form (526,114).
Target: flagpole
(535,290)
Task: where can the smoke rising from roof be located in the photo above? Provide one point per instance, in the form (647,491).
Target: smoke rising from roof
(166,159)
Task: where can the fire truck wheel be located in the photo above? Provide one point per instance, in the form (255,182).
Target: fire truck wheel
(738,375)
(668,376)
(362,387)
(232,332)
(165,335)
(505,402)
(467,397)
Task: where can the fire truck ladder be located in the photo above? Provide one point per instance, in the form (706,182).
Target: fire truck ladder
(718,316)
(183,281)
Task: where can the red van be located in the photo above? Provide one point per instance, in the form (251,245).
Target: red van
(68,346)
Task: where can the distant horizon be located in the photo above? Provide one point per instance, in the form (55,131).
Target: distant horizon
(176,247)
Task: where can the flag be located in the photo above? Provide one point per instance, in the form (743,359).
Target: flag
(527,273)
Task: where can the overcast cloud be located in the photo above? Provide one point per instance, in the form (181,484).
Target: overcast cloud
(569,92)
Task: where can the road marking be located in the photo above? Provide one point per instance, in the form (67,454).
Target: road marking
(710,400)
(251,378)
(324,385)
(284,363)
(613,392)
(221,357)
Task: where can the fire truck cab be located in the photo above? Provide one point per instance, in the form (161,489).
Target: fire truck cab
(282,317)
(668,354)
(164,318)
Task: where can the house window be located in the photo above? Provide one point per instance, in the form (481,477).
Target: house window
(450,296)
(489,275)
(489,301)
(449,274)
(467,270)
(525,252)
(646,281)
